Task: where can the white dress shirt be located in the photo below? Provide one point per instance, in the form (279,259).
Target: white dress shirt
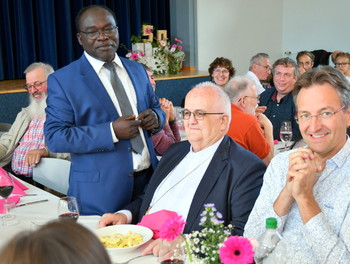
(254,78)
(140,162)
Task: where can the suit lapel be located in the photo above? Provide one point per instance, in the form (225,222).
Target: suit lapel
(215,168)
(93,82)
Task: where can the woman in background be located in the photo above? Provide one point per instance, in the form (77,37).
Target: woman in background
(221,71)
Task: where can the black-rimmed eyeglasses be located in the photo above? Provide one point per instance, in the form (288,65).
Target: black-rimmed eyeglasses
(198,115)
(108,32)
(36,85)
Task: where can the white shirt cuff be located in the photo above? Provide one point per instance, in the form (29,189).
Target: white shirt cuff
(128,215)
(114,137)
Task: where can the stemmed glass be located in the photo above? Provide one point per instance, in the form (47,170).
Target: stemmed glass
(286,133)
(68,208)
(6,188)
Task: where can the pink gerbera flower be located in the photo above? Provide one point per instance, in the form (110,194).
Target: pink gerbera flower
(135,56)
(172,228)
(236,250)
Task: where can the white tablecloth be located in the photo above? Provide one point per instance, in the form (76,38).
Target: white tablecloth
(43,212)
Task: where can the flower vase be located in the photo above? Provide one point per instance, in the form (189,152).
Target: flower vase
(172,251)
(174,65)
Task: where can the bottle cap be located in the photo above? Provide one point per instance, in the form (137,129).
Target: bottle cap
(271,223)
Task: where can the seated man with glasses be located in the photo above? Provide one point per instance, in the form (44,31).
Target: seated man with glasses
(208,168)
(307,189)
(259,70)
(24,145)
(342,62)
(252,131)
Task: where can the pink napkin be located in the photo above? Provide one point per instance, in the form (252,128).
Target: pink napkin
(14,198)
(19,184)
(155,221)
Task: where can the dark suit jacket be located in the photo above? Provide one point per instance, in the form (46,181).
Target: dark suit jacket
(232,182)
(78,118)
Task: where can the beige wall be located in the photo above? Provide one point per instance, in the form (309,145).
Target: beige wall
(238,29)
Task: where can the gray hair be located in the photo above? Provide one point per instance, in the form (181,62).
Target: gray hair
(322,75)
(256,59)
(286,62)
(45,66)
(236,86)
(223,97)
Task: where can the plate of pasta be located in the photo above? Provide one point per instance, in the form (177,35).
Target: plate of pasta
(123,238)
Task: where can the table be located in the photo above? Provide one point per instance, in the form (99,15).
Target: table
(43,212)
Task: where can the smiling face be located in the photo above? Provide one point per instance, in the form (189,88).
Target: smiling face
(284,79)
(328,135)
(221,76)
(96,19)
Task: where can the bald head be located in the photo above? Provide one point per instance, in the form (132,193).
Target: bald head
(212,108)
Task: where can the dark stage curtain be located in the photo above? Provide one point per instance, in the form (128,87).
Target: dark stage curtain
(44,30)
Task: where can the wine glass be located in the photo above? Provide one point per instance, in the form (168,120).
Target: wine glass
(286,133)
(6,188)
(68,208)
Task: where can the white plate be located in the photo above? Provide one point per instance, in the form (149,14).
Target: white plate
(145,232)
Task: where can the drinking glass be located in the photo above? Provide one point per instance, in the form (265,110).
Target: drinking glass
(286,133)
(6,188)
(68,208)
(172,251)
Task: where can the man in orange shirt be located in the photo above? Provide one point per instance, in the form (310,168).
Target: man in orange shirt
(252,132)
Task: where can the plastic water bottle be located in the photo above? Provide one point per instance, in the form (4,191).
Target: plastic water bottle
(267,241)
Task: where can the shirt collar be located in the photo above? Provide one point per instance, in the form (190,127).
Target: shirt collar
(98,64)
(207,151)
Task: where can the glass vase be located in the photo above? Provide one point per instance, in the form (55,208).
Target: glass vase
(174,65)
(172,251)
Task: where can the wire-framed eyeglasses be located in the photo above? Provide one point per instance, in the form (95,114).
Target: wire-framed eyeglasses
(36,85)
(198,115)
(108,32)
(306,117)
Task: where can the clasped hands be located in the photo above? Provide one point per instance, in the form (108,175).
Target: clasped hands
(126,127)
(302,174)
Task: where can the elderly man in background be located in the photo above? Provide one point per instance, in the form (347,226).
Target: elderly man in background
(252,132)
(23,146)
(279,99)
(307,189)
(305,61)
(259,70)
(208,168)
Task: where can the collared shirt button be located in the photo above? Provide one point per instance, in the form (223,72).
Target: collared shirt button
(278,104)
(274,116)
(129,149)
(131,174)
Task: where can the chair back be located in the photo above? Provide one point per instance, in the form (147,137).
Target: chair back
(53,173)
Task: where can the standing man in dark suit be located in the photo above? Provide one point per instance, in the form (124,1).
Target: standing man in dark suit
(208,168)
(97,111)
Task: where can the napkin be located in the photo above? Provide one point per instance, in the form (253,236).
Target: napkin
(155,221)
(13,198)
